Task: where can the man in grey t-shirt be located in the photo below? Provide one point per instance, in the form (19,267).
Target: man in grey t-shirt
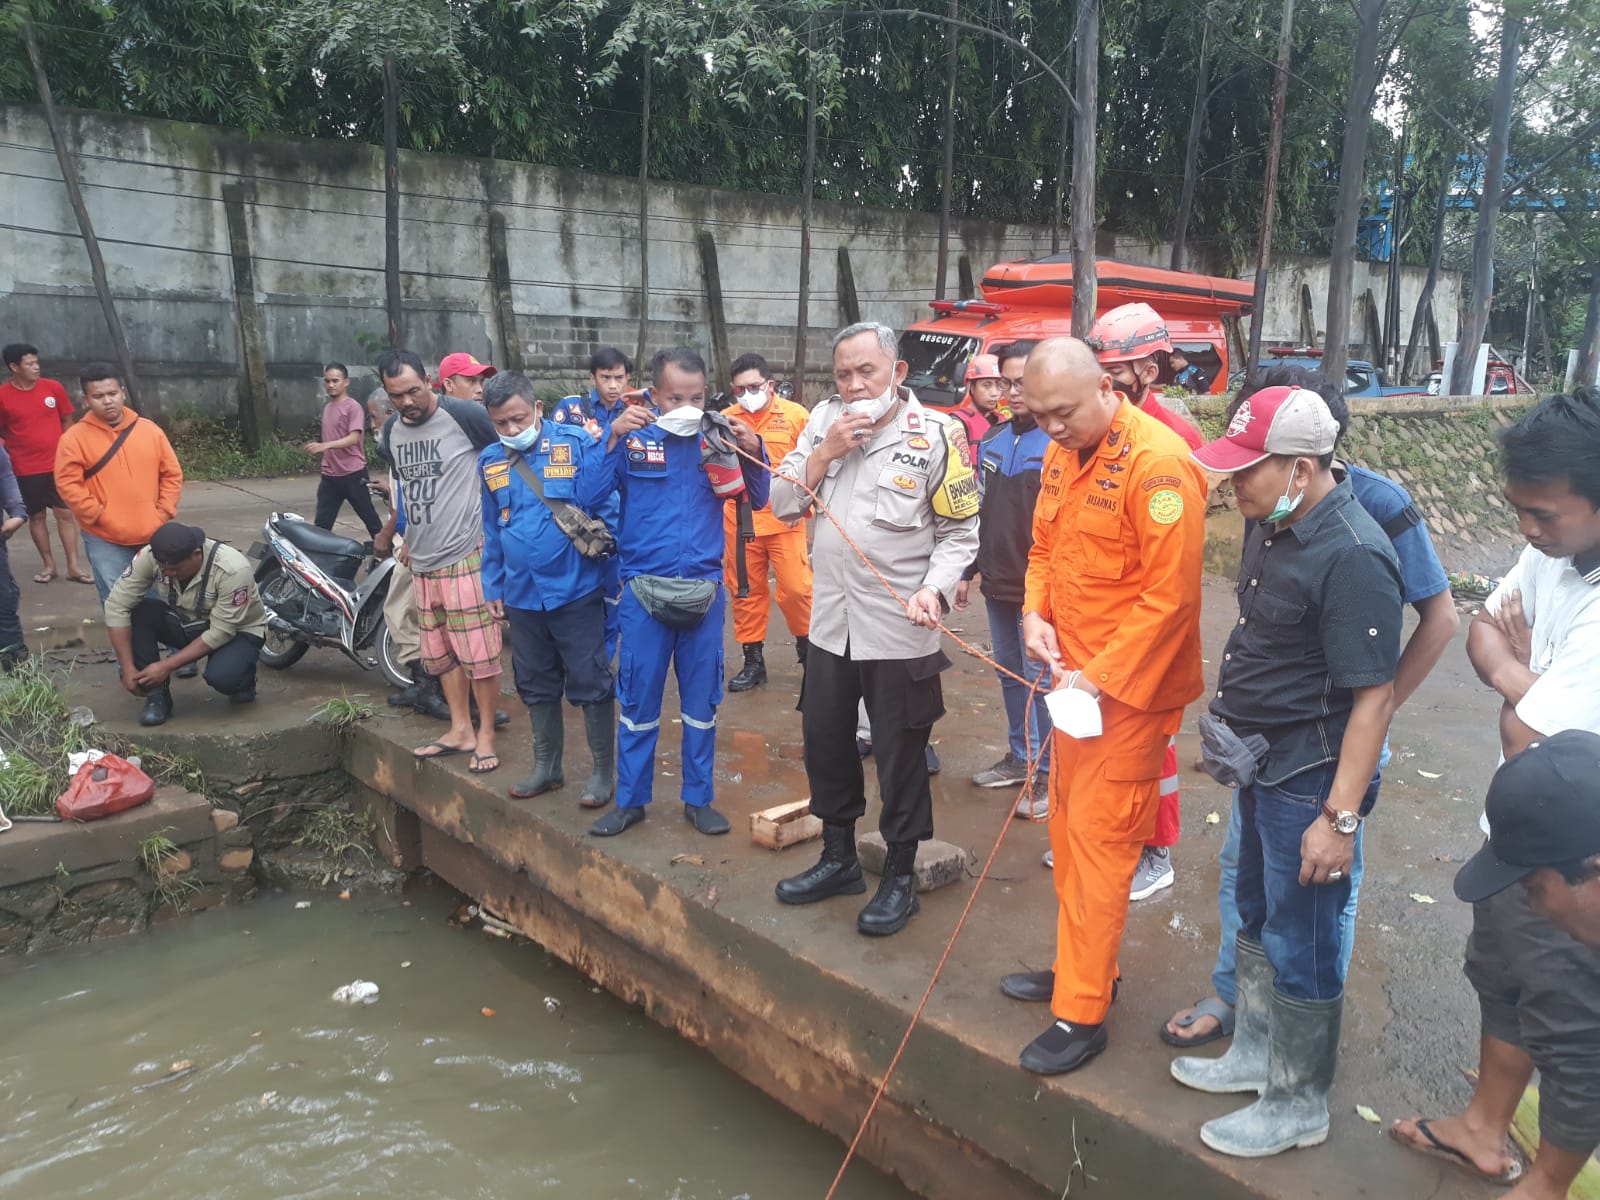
(434,444)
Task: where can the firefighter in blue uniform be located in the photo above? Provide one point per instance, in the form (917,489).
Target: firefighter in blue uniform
(610,371)
(536,579)
(673,487)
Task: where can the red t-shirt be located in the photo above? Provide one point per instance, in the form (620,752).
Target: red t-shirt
(31,422)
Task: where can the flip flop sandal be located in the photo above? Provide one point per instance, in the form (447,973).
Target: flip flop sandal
(1449,1154)
(43,577)
(89,579)
(440,750)
(474,768)
(1212,1007)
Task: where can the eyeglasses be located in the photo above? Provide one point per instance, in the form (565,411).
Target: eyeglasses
(750,389)
(1011,385)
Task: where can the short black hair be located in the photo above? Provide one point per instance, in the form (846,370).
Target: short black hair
(17,351)
(504,386)
(392,362)
(681,357)
(1020,349)
(96,371)
(1558,439)
(339,367)
(1290,375)
(749,362)
(609,358)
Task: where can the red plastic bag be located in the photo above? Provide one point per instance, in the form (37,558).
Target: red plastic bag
(102,788)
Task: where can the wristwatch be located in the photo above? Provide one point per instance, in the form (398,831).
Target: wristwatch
(1342,820)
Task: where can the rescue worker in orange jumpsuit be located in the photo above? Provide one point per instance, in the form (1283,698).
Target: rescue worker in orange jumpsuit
(983,407)
(1133,345)
(1113,606)
(766,542)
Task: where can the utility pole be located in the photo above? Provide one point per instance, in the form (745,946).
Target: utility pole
(391,202)
(1269,203)
(69,176)
(808,188)
(1083,169)
(947,184)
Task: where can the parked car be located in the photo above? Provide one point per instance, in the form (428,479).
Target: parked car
(1362,380)
(1032,300)
(1503,380)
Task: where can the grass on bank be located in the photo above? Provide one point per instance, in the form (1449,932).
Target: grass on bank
(209,449)
(38,732)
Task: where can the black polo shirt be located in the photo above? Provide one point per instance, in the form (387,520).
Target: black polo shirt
(1319,614)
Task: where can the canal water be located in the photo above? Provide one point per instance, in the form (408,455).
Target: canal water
(485,1069)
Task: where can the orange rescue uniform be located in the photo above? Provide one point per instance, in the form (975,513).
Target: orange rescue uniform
(776,546)
(1115,568)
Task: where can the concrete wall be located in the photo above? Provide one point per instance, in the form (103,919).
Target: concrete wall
(314,214)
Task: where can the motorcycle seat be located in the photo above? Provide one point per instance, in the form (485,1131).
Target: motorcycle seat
(316,541)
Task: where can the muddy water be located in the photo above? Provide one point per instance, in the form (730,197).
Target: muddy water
(561,1092)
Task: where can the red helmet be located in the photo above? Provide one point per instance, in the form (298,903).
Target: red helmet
(983,366)
(1129,333)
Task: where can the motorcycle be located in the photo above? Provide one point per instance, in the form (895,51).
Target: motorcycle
(308,578)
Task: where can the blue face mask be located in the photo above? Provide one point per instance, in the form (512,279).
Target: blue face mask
(521,442)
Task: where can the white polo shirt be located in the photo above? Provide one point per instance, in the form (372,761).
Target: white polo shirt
(1563,608)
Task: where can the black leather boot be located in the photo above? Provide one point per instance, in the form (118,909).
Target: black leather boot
(837,873)
(430,701)
(406,697)
(754,671)
(802,646)
(157,707)
(600,730)
(549,738)
(896,901)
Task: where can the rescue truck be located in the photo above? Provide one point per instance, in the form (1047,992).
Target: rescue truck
(1032,300)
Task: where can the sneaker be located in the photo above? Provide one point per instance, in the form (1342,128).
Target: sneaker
(1032,805)
(1153,873)
(1008,772)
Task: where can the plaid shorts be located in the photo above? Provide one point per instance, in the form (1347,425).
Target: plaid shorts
(454,621)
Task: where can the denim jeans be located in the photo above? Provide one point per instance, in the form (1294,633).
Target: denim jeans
(107,560)
(11,640)
(1222,979)
(1301,927)
(1005,632)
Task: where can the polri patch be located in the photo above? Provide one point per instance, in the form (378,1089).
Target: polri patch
(1166,506)
(919,443)
(240,597)
(905,483)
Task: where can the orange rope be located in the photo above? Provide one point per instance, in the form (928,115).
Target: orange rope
(1033,687)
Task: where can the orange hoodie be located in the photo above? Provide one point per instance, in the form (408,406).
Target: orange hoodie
(134,493)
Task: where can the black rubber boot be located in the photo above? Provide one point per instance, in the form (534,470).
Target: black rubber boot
(802,646)
(430,701)
(157,707)
(600,728)
(837,873)
(896,901)
(406,697)
(754,671)
(549,738)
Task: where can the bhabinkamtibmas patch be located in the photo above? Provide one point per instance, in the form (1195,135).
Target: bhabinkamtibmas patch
(1166,506)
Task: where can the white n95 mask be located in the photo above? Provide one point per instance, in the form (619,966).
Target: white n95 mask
(871,409)
(1074,712)
(683,421)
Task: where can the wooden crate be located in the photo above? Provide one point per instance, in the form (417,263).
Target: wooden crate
(785,825)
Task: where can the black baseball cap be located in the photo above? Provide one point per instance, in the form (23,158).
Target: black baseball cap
(175,541)
(1544,811)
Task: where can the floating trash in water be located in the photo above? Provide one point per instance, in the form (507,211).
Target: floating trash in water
(267,1098)
(360,991)
(179,1069)
(551,1004)
(405,964)
(302,904)
(488,1012)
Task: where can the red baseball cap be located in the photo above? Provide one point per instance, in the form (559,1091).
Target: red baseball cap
(1276,420)
(458,363)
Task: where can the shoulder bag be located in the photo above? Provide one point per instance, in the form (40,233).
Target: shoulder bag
(589,535)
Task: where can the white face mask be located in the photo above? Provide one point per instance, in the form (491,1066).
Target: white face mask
(874,408)
(683,421)
(754,403)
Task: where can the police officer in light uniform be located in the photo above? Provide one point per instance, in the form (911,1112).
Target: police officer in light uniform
(206,605)
(895,474)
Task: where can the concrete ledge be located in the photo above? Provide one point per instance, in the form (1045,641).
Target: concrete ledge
(800,1005)
(34,850)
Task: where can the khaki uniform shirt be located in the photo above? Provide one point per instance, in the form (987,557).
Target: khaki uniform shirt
(910,502)
(231,603)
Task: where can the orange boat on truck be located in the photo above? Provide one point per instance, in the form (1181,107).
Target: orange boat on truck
(1032,300)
